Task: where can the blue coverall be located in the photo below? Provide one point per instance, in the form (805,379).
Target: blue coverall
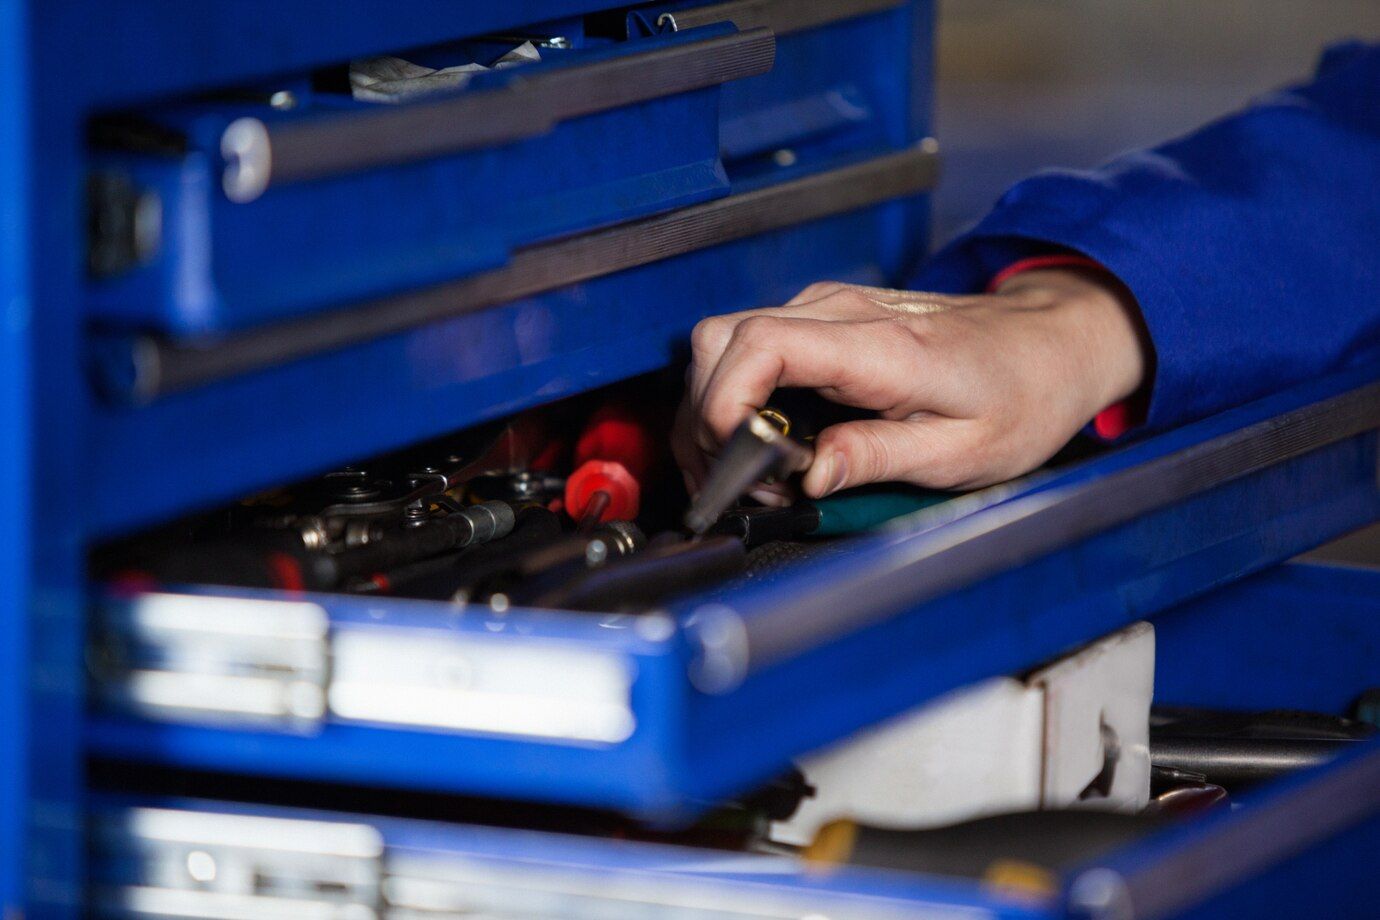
(1252,246)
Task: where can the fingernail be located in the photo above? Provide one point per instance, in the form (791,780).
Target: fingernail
(836,474)
(769,498)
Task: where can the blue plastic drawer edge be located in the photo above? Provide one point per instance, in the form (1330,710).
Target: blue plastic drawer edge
(1212,861)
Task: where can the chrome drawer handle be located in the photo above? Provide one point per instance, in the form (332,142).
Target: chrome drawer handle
(781,16)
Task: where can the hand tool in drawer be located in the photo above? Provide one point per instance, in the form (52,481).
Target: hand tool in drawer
(1238,749)
(775,442)
(641,582)
(347,525)
(855,511)
(760,450)
(462,576)
(544,568)
(1022,849)
(613,456)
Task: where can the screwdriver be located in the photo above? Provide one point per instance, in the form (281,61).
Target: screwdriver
(612,459)
(760,450)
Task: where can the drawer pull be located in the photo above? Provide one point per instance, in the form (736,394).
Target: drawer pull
(259,154)
(144,368)
(781,16)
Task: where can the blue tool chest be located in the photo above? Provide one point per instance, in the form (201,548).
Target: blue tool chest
(223,273)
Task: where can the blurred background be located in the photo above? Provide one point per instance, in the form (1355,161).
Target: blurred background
(1026,84)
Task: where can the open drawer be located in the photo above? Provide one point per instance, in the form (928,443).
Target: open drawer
(1295,636)
(661,713)
(278,200)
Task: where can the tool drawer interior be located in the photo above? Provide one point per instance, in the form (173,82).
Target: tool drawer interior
(462,617)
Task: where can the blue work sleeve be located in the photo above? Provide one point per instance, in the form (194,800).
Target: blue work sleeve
(1252,246)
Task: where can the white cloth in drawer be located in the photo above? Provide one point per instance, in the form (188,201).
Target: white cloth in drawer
(393,79)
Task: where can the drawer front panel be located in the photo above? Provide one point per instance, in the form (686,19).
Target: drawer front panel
(199,859)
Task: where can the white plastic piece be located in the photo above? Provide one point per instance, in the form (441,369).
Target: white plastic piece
(998,746)
(1097,717)
(972,752)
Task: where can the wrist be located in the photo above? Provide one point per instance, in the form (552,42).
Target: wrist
(1098,320)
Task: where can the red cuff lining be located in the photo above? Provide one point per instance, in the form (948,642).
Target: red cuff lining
(1035,263)
(1115,420)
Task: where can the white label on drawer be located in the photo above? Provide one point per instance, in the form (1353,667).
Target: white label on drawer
(477,685)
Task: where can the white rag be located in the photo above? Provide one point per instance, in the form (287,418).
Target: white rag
(393,79)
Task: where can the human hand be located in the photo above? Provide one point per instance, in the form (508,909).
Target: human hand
(969,390)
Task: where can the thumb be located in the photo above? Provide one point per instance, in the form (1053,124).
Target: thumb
(872,450)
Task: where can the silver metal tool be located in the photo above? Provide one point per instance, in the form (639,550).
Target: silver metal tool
(760,450)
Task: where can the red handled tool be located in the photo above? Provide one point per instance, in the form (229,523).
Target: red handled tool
(612,458)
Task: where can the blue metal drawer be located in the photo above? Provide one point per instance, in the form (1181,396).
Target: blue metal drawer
(1294,636)
(268,214)
(659,715)
(1302,846)
(214,216)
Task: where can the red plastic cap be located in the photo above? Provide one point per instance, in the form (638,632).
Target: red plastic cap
(625,494)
